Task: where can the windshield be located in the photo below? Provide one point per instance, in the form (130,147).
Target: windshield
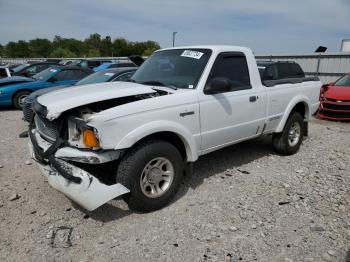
(98,77)
(344,81)
(19,68)
(180,68)
(45,74)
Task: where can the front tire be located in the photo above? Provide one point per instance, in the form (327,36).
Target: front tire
(289,140)
(19,97)
(152,171)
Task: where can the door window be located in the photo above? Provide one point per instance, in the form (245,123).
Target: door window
(70,75)
(234,67)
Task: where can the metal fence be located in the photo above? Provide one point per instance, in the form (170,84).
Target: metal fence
(327,66)
(25,60)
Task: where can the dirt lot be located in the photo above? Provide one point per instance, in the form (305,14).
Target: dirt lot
(241,203)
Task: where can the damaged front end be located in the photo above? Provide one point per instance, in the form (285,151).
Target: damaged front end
(63,164)
(67,145)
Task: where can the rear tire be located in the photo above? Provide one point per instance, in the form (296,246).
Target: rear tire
(19,98)
(289,140)
(152,171)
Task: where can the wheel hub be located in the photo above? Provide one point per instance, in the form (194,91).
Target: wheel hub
(154,176)
(294,134)
(157,177)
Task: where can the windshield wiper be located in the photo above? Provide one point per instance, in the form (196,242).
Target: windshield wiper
(157,83)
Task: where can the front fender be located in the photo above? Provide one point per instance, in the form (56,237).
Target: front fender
(162,126)
(296,100)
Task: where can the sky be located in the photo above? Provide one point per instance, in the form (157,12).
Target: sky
(266,26)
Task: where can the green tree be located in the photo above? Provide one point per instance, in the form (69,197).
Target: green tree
(1,50)
(39,47)
(120,47)
(148,51)
(19,49)
(106,46)
(93,41)
(93,53)
(76,46)
(62,53)
(94,45)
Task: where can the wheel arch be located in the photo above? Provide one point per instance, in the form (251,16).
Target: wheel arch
(17,91)
(173,133)
(298,104)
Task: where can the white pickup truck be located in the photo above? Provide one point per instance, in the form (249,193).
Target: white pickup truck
(99,141)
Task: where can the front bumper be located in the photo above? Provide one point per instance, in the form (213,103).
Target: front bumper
(76,183)
(333,110)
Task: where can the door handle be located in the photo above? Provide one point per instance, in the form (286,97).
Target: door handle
(253,98)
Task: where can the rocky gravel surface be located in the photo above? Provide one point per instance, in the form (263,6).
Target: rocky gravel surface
(242,203)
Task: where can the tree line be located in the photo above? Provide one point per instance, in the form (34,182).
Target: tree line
(93,46)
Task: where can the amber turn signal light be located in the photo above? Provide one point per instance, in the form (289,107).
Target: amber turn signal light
(90,139)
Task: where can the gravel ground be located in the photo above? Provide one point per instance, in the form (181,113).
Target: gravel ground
(243,203)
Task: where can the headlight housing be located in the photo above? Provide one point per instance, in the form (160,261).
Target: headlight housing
(81,135)
(90,139)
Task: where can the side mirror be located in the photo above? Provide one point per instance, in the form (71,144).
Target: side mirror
(217,85)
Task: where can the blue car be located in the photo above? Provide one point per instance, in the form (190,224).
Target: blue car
(114,65)
(109,75)
(13,90)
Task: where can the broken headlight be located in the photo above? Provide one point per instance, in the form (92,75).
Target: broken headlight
(81,135)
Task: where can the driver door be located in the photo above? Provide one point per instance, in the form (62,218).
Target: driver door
(234,115)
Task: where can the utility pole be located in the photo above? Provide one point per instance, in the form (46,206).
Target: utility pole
(174,33)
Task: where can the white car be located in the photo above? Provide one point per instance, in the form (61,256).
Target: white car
(99,141)
(4,72)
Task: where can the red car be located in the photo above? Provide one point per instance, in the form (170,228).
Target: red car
(335,100)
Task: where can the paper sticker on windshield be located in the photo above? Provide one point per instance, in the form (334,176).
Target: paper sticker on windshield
(108,74)
(192,54)
(53,70)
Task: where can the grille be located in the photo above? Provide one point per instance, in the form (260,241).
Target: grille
(336,114)
(46,128)
(28,113)
(336,106)
(335,100)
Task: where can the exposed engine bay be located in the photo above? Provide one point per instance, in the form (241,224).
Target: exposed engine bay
(78,117)
(84,112)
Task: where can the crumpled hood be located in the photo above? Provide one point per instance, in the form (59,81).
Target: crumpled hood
(338,92)
(62,100)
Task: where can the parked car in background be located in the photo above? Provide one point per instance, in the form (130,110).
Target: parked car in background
(109,75)
(67,62)
(114,65)
(14,90)
(91,63)
(182,103)
(135,61)
(12,66)
(277,70)
(4,72)
(29,70)
(335,100)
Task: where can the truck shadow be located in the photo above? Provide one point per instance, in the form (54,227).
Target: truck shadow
(106,213)
(8,108)
(232,157)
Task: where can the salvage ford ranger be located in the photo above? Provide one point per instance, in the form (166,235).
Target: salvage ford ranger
(97,142)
